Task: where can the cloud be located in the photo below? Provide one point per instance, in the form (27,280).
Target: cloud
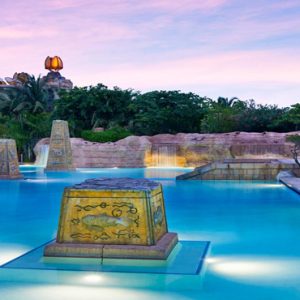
(202,45)
(229,68)
(285,4)
(17,33)
(66,4)
(181,6)
(244,73)
(121,6)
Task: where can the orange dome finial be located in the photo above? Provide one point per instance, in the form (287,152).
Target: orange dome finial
(53,63)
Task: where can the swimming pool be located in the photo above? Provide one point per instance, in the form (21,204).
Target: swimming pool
(254,228)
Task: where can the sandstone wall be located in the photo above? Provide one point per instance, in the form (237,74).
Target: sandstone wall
(191,149)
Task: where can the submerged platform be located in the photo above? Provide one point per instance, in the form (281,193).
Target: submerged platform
(187,258)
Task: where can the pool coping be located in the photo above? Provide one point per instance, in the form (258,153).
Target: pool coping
(289,180)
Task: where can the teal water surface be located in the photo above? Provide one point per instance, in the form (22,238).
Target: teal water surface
(254,229)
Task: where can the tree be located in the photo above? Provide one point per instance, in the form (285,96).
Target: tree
(223,115)
(23,114)
(260,118)
(89,107)
(225,102)
(291,118)
(28,98)
(295,139)
(167,112)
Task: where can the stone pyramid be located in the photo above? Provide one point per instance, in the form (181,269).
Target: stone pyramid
(9,165)
(60,152)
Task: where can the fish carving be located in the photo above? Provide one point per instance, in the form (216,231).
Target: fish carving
(101,221)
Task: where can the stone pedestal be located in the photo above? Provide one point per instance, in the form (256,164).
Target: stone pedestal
(119,217)
(9,165)
(60,152)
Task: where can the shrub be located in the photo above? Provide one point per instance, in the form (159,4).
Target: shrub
(295,139)
(110,135)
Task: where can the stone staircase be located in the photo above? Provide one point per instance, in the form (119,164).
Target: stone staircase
(241,169)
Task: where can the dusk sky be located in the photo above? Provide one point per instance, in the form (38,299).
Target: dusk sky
(247,49)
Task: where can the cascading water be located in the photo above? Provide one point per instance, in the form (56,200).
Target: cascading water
(42,157)
(164,155)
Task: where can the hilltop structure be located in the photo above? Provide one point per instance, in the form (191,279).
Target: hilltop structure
(54,81)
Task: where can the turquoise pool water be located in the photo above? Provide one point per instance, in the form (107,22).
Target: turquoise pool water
(254,228)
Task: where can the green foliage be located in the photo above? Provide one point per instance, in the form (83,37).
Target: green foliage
(23,115)
(259,118)
(110,135)
(291,119)
(222,115)
(219,119)
(225,102)
(294,115)
(167,112)
(11,129)
(30,98)
(27,133)
(94,106)
(294,139)
(26,115)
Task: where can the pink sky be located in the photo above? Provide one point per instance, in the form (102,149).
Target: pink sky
(212,47)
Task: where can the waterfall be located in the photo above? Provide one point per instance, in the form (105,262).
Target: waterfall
(164,155)
(42,156)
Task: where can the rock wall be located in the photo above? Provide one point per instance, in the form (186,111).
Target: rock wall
(191,149)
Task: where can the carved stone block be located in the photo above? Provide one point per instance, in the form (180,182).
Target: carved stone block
(9,165)
(120,211)
(60,152)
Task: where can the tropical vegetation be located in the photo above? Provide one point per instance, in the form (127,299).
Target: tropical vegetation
(26,113)
(295,139)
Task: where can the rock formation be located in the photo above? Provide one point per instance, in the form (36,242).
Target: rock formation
(55,82)
(190,150)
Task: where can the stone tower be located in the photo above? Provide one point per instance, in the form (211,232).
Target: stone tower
(60,152)
(9,165)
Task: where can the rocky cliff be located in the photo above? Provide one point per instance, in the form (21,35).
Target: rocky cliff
(182,150)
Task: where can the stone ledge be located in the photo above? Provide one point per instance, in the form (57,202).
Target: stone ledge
(20,176)
(290,180)
(159,251)
(74,250)
(241,169)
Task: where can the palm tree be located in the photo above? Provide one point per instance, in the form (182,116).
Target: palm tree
(28,98)
(33,96)
(24,107)
(225,102)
